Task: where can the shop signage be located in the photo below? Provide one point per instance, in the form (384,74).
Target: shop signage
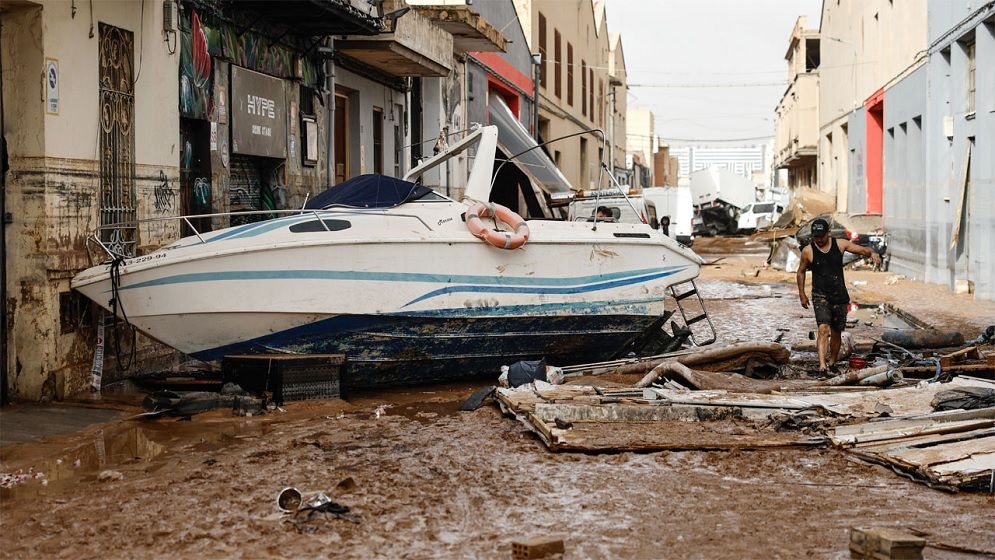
(258,114)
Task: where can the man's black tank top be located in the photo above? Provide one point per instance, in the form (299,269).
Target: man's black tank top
(827,274)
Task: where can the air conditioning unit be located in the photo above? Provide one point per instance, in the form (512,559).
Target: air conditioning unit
(170,16)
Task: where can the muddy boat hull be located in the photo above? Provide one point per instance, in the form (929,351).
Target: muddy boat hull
(398,350)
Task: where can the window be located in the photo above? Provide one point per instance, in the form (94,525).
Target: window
(378,140)
(570,74)
(309,127)
(542,50)
(601,103)
(583,88)
(316,226)
(583,163)
(972,66)
(557,58)
(590,91)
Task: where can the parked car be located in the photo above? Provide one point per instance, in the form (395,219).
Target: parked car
(866,230)
(758,215)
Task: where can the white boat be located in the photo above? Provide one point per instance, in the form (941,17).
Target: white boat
(405,292)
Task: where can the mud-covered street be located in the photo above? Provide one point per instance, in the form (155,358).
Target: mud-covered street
(422,480)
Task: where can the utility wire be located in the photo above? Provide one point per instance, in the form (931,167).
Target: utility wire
(740,85)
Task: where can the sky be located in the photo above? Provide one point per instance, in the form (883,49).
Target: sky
(693,42)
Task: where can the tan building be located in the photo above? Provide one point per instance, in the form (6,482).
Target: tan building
(797,114)
(640,143)
(665,167)
(126,115)
(864,47)
(582,72)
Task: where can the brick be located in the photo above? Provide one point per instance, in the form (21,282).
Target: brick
(539,547)
(885,543)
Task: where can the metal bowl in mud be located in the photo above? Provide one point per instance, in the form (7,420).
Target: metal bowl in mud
(289,500)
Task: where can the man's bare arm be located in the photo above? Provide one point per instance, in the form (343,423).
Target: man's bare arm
(804,261)
(846,245)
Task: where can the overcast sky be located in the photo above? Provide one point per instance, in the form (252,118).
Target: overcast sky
(687,42)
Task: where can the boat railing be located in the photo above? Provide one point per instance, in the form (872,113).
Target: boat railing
(113,251)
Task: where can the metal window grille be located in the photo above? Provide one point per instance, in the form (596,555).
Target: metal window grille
(118,216)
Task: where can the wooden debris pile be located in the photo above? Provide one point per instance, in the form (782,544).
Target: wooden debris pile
(671,409)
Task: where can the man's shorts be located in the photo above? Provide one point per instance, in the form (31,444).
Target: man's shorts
(832,314)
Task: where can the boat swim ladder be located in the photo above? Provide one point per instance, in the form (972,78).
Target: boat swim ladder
(702,316)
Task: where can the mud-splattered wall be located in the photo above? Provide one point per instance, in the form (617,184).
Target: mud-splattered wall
(53,182)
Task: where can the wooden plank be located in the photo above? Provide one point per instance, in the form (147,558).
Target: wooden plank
(977,464)
(946,452)
(943,428)
(968,352)
(914,420)
(955,234)
(922,441)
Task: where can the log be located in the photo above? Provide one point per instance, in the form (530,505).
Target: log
(773,351)
(924,338)
(855,376)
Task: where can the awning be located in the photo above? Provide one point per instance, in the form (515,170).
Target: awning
(416,47)
(321,17)
(514,139)
(471,32)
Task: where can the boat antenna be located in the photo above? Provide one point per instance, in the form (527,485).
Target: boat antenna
(306,196)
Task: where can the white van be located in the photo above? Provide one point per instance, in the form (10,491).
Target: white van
(674,210)
(758,215)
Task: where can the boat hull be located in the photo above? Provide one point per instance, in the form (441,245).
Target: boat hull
(402,308)
(403,350)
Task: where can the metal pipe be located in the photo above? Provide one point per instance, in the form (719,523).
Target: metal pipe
(537,75)
(330,106)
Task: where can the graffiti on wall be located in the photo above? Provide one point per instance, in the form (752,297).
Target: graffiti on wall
(163,197)
(196,64)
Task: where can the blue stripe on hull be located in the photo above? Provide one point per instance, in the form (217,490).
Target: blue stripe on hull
(400,350)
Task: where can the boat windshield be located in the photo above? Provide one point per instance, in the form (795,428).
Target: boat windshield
(370,191)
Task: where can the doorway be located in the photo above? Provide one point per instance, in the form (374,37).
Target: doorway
(875,151)
(195,174)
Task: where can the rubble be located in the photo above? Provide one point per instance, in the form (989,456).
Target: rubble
(768,413)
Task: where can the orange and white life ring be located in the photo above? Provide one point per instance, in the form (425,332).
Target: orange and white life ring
(499,239)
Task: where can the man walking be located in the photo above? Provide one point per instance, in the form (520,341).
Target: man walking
(824,255)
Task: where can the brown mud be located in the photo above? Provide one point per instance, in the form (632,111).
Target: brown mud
(434,482)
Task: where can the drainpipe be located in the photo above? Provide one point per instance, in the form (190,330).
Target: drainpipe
(3,252)
(328,52)
(536,71)
(611,131)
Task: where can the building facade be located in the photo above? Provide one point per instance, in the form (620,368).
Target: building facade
(865,47)
(796,125)
(641,145)
(665,167)
(582,79)
(746,161)
(939,168)
(196,107)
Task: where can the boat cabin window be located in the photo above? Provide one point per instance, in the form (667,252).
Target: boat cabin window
(432,197)
(315,225)
(763,208)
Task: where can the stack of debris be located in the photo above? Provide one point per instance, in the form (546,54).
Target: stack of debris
(939,432)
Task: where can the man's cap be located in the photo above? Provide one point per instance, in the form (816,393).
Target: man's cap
(820,227)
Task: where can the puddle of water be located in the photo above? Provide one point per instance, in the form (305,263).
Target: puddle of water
(882,316)
(121,446)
